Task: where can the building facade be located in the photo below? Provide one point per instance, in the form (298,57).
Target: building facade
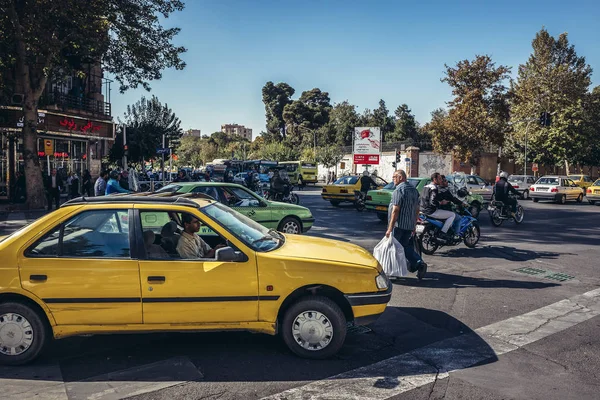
(75,128)
(235,129)
(193,132)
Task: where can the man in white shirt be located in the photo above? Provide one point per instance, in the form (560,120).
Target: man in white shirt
(190,245)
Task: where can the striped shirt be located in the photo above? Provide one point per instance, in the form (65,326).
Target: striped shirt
(406,197)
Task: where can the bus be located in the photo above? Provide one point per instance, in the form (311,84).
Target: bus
(295,169)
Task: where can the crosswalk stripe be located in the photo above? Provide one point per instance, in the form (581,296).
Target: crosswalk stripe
(425,365)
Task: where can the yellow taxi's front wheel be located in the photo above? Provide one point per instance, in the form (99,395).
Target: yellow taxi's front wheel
(314,327)
(23,334)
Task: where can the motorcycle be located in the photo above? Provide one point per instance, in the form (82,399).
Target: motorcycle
(291,198)
(430,236)
(500,212)
(359,200)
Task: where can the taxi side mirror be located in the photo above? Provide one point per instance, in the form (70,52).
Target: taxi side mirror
(229,254)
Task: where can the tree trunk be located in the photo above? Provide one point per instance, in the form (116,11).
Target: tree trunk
(566,168)
(33,176)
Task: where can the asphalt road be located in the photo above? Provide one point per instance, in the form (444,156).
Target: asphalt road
(468,297)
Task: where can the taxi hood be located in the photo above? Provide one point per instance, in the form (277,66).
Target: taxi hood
(316,248)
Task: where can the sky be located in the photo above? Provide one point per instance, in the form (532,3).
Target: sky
(360,51)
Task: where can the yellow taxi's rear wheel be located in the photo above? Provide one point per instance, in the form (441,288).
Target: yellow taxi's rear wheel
(23,334)
(314,327)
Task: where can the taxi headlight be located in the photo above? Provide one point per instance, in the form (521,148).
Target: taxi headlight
(381,281)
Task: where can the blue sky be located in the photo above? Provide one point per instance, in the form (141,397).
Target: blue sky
(356,50)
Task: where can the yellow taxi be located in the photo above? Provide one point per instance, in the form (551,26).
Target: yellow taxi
(592,193)
(113,265)
(583,181)
(342,190)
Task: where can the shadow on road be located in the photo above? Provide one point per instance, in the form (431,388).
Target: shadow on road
(441,280)
(502,252)
(244,357)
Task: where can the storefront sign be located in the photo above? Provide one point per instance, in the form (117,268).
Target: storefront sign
(367,145)
(13,119)
(57,154)
(365,159)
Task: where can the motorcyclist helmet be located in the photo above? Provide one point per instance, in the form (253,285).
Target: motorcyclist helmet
(504,175)
(462,192)
(365,173)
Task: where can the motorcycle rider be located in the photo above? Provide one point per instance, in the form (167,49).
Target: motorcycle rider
(366,182)
(277,184)
(502,190)
(431,203)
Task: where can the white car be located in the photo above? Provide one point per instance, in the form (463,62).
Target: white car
(522,183)
(556,188)
(240,178)
(474,183)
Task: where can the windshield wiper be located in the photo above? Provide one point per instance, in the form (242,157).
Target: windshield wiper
(265,238)
(278,235)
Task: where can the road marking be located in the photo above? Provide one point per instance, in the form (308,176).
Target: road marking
(135,381)
(425,365)
(33,382)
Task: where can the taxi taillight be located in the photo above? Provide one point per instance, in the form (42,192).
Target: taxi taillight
(589,190)
(369,198)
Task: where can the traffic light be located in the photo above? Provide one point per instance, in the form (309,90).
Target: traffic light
(398,156)
(394,164)
(545,119)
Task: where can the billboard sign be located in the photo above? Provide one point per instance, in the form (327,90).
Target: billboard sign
(366,145)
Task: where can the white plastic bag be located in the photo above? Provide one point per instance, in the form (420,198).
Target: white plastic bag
(390,254)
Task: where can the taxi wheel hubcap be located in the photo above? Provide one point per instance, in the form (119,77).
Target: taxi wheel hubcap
(312,330)
(16,334)
(291,227)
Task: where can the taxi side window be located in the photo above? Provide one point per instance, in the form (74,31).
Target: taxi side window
(90,234)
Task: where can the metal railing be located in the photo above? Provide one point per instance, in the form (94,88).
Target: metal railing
(68,102)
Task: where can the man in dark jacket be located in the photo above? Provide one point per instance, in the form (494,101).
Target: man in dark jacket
(502,190)
(431,203)
(366,182)
(54,185)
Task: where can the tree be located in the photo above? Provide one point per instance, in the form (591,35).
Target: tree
(305,116)
(343,119)
(277,151)
(478,113)
(275,98)
(406,126)
(554,80)
(59,37)
(189,151)
(329,155)
(147,121)
(382,119)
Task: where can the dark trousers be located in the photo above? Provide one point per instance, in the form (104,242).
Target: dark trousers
(406,240)
(511,202)
(53,195)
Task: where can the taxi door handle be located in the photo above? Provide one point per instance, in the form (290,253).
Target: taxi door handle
(156,279)
(42,278)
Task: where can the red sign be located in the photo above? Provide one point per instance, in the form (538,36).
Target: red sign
(366,159)
(534,167)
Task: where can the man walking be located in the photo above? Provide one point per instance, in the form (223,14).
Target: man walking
(403,212)
(53,187)
(100,185)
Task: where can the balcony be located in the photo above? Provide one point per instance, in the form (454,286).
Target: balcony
(79,105)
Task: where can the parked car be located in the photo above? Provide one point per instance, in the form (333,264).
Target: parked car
(378,200)
(285,217)
(522,183)
(240,178)
(474,183)
(593,193)
(107,265)
(342,190)
(583,181)
(556,188)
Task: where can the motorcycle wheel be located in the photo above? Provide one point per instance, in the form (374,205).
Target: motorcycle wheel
(426,241)
(360,206)
(495,218)
(294,199)
(519,215)
(472,235)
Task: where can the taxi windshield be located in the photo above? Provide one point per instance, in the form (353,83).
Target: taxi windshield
(249,232)
(171,188)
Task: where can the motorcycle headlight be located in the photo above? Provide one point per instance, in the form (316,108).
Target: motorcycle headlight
(381,281)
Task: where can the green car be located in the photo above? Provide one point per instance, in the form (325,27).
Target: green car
(378,200)
(284,217)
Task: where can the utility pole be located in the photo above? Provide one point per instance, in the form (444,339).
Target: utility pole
(124,147)
(525,163)
(162,152)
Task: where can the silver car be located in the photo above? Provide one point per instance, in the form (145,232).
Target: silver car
(522,183)
(556,188)
(240,178)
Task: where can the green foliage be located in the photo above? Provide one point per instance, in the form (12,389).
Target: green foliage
(342,120)
(478,113)
(190,151)
(406,125)
(553,80)
(382,119)
(305,115)
(275,98)
(329,155)
(147,121)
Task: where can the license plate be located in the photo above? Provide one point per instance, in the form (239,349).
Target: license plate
(381,208)
(420,228)
(542,189)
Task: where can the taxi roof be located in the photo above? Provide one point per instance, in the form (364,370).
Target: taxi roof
(114,199)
